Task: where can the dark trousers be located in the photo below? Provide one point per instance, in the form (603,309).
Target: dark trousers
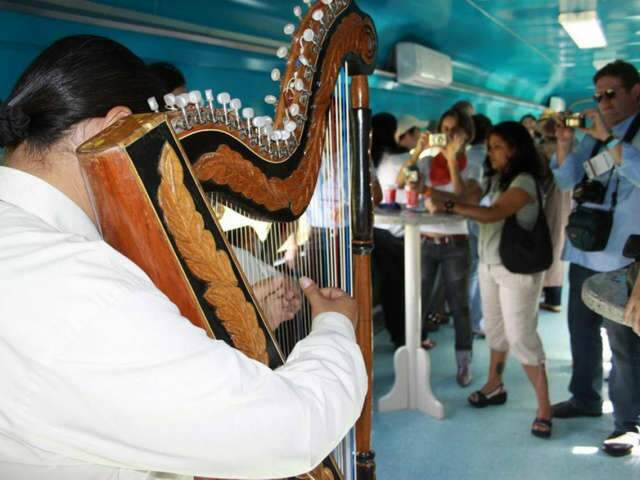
(552,295)
(388,255)
(586,350)
(452,261)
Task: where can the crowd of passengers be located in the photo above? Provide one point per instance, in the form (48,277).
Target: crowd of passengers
(525,176)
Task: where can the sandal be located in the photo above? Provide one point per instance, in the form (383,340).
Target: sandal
(541,428)
(480,400)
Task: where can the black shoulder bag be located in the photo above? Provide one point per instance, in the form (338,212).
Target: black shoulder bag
(526,251)
(589,228)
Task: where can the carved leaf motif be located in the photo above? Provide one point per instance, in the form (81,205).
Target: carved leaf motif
(225,166)
(198,248)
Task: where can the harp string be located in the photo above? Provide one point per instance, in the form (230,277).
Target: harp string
(318,245)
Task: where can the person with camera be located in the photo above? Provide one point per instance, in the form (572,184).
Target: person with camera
(445,248)
(603,171)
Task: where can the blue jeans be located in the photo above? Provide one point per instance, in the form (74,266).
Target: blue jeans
(452,262)
(475,302)
(586,350)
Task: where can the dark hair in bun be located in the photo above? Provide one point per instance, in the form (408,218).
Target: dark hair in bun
(74,79)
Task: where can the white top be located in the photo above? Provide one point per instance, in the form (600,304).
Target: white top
(102,378)
(472,171)
(387,173)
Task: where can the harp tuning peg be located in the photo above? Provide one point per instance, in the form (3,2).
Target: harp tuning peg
(294,110)
(297,11)
(270,100)
(236,105)
(169,101)
(299,85)
(282,52)
(223,99)
(290,126)
(309,36)
(195,97)
(289,28)
(182,101)
(307,2)
(276,75)
(208,95)
(318,16)
(330,4)
(153,104)
(248,113)
(286,135)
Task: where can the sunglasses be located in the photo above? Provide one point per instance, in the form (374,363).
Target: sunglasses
(610,93)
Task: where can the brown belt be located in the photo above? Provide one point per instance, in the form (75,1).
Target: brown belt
(445,240)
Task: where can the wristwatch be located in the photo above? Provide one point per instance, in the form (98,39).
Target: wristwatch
(448,206)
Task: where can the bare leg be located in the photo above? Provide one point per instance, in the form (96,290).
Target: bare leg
(496,369)
(538,377)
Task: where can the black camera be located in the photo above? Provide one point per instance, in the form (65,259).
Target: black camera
(574,120)
(590,191)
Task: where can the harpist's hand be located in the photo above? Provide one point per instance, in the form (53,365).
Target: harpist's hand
(329,300)
(279,298)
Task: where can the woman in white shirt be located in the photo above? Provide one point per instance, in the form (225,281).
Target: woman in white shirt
(103,378)
(509,300)
(445,248)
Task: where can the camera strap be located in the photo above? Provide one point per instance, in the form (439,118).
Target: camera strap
(629,135)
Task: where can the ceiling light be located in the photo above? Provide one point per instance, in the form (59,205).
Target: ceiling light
(584,28)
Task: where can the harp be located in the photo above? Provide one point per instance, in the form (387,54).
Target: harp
(210,200)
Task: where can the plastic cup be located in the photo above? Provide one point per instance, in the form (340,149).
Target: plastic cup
(389,194)
(412,198)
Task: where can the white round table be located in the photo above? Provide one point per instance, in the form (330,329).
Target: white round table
(412,366)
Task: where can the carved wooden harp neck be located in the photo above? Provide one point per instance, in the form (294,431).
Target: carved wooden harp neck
(276,180)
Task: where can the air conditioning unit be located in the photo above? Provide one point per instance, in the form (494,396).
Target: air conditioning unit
(422,67)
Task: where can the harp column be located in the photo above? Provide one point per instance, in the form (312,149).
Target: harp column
(362,224)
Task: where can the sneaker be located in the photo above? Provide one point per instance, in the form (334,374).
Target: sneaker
(620,443)
(551,308)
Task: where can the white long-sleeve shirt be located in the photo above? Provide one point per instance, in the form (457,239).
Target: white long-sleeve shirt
(102,378)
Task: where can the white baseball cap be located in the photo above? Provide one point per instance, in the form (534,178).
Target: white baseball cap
(406,123)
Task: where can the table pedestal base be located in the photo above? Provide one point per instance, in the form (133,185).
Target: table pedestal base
(400,397)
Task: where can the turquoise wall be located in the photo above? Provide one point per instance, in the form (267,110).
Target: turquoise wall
(244,75)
